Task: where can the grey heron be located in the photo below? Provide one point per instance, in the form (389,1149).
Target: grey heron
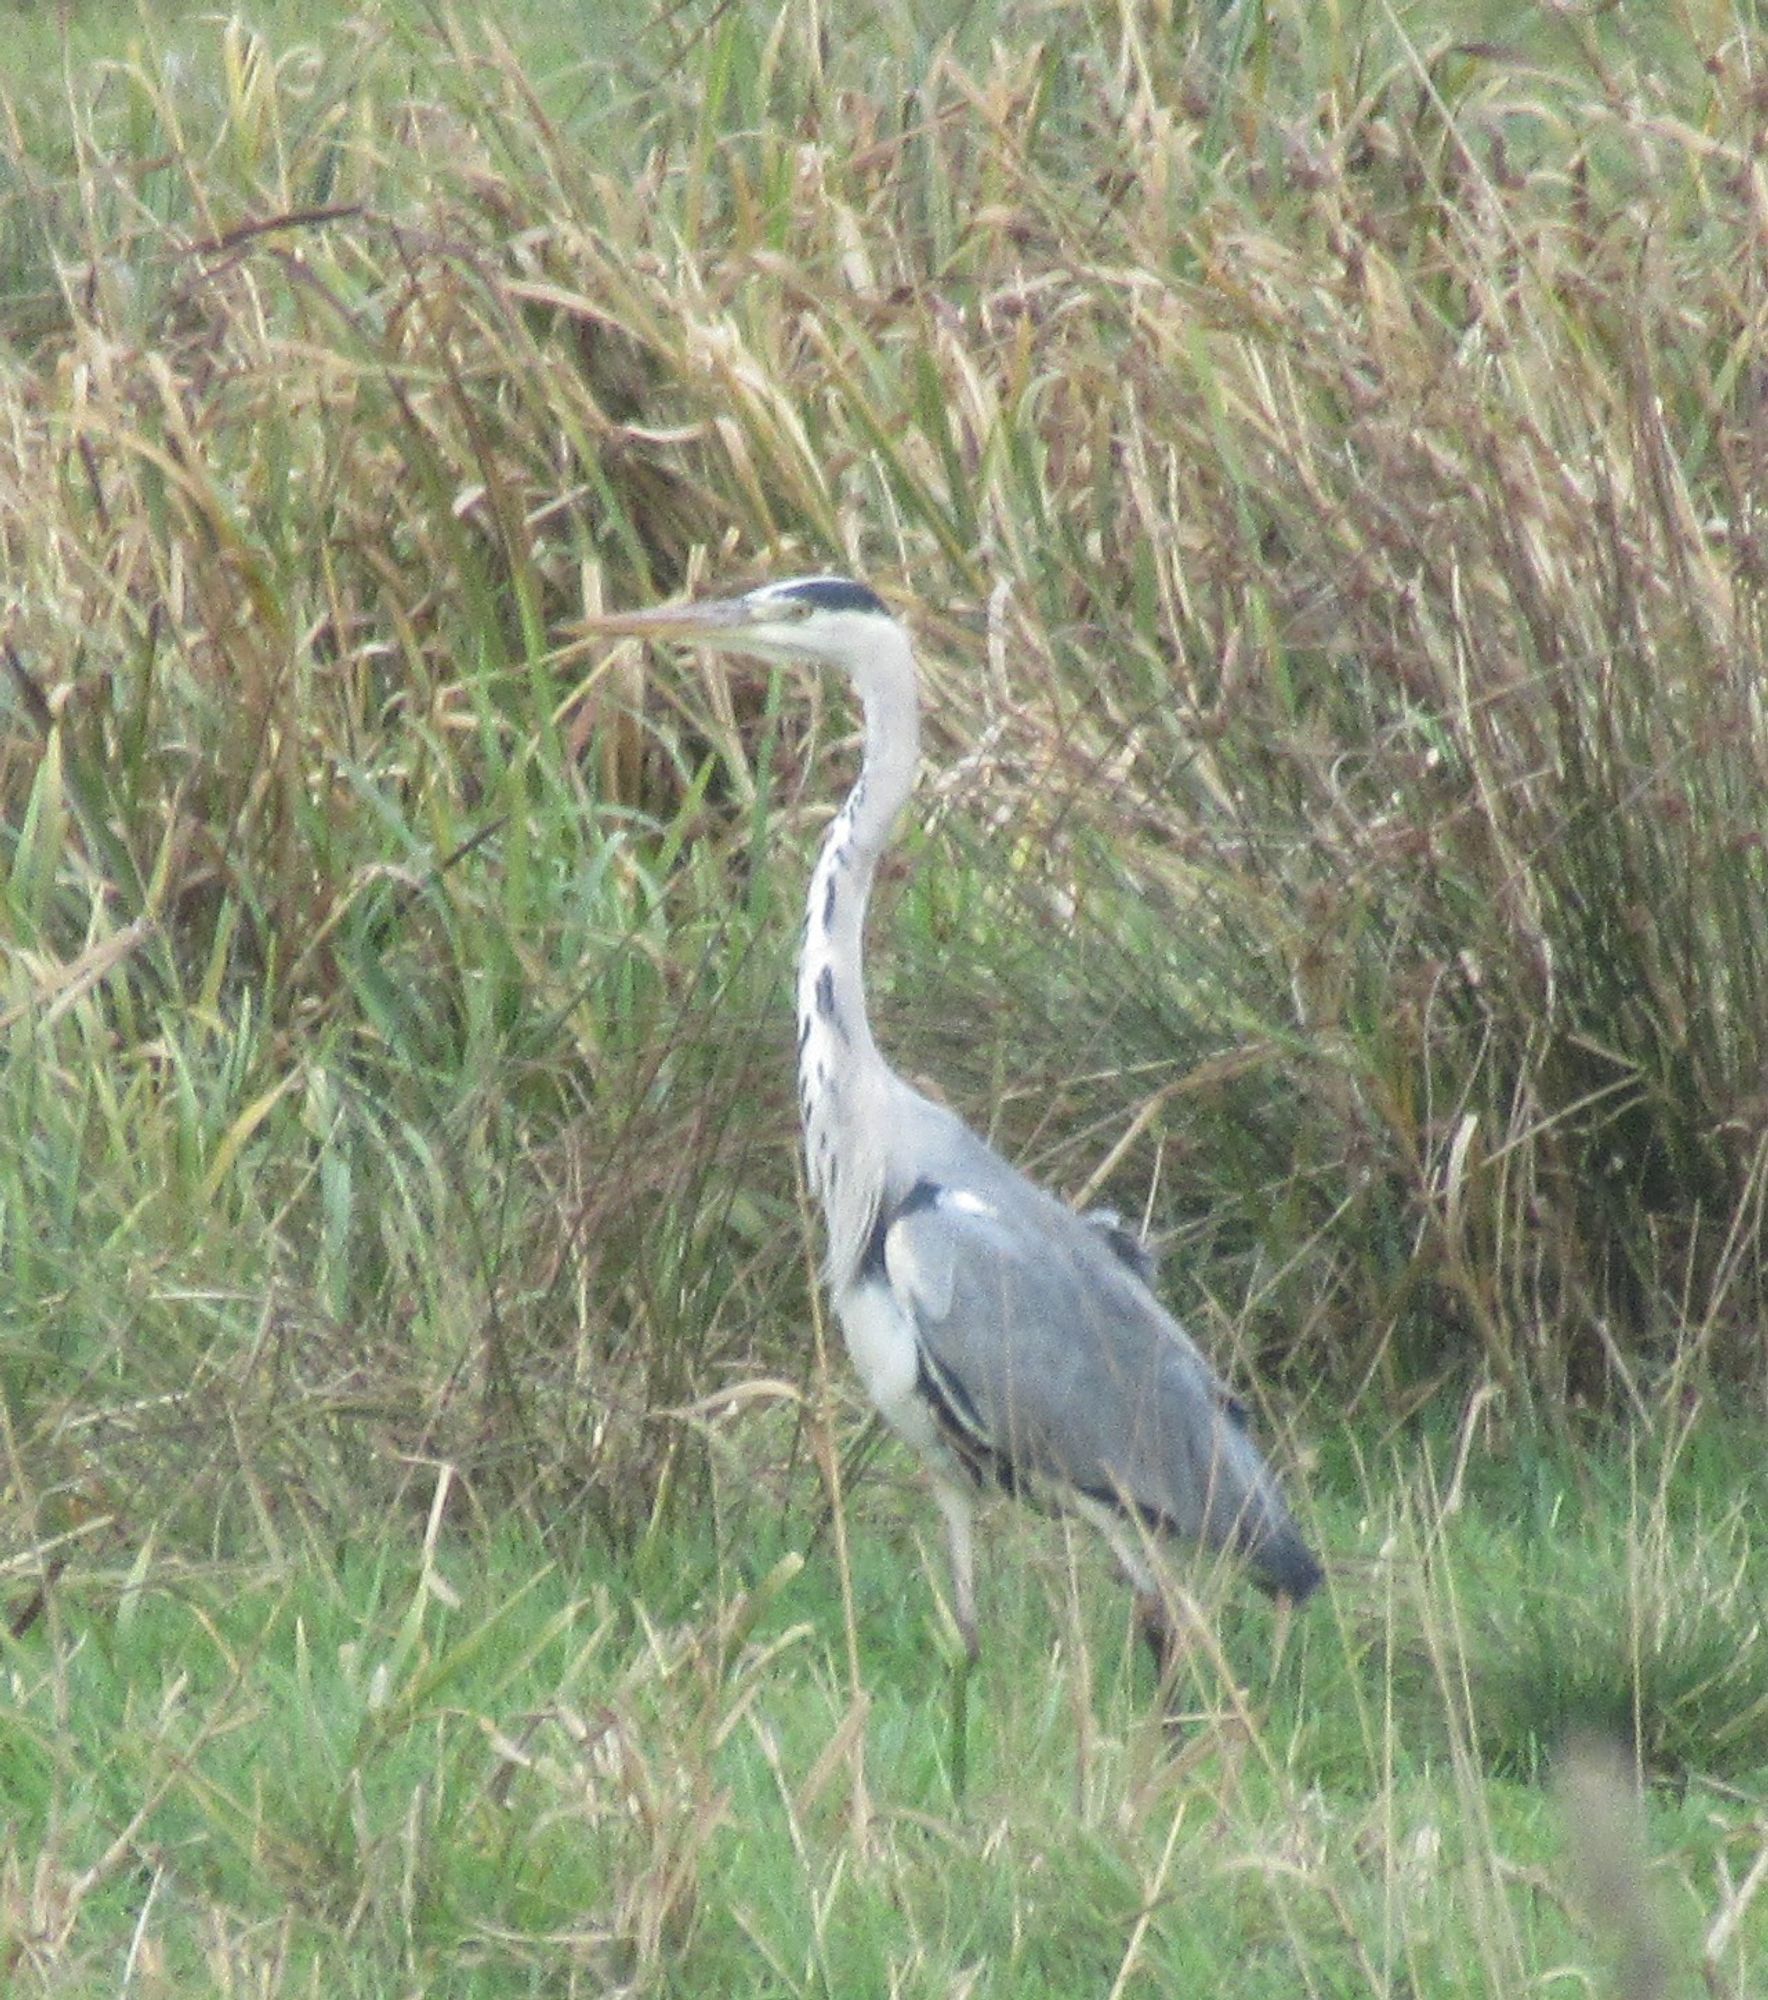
(1007,1338)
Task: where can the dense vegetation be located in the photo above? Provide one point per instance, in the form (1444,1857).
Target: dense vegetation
(1321,454)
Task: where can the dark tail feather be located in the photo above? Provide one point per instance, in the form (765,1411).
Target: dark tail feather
(1283,1565)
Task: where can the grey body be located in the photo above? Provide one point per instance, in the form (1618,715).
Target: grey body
(1004,1336)
(1044,1361)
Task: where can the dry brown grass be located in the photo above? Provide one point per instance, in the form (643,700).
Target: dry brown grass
(1322,468)
(1329,517)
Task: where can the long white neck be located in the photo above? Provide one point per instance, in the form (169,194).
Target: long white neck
(842,1079)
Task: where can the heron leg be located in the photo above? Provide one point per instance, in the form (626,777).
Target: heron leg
(954,1504)
(1163,1639)
(1153,1620)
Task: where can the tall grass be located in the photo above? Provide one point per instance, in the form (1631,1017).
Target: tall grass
(1319,454)
(1321,467)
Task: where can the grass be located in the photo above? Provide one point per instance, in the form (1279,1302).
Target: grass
(472,1762)
(392,1765)
(1317,450)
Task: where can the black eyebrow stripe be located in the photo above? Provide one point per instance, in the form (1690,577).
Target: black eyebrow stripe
(834,593)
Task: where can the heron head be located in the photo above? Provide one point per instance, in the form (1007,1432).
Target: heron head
(822,620)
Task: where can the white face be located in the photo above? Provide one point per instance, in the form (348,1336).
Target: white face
(781,627)
(825,621)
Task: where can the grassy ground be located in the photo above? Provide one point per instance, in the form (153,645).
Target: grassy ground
(462,1763)
(1320,450)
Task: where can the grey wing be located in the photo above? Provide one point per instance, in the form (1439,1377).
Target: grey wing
(1052,1358)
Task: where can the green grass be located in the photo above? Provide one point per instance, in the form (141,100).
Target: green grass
(1316,448)
(455,1763)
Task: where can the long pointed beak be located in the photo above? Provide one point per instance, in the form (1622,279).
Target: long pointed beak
(710,620)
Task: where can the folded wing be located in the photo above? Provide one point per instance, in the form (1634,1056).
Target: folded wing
(1047,1356)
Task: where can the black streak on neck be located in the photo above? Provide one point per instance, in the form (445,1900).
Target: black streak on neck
(825,1001)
